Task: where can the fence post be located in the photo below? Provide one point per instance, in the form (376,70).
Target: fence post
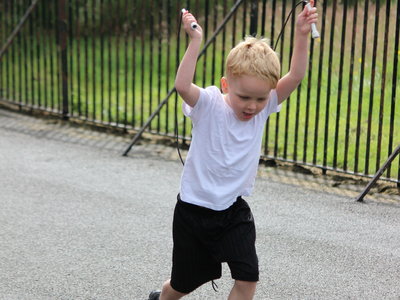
(62,43)
(253,17)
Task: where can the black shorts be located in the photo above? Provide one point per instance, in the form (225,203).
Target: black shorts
(204,238)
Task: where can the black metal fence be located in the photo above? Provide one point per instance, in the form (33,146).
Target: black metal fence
(112,62)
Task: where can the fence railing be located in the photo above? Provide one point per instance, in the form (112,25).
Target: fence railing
(112,62)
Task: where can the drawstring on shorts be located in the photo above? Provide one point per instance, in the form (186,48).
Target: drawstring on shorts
(214,286)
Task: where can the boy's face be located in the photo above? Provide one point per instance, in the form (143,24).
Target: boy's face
(246,95)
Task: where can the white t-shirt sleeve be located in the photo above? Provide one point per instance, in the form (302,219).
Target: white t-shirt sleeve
(204,104)
(272,105)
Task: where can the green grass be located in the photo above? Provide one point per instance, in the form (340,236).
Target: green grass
(116,85)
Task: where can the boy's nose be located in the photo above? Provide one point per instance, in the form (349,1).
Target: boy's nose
(251,105)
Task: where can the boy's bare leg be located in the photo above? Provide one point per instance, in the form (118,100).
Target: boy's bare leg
(243,290)
(168,293)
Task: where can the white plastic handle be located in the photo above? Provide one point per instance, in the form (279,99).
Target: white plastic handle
(193,25)
(314,31)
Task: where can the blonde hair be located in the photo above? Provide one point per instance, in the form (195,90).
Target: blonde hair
(253,56)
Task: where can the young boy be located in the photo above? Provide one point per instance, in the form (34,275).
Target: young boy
(212,222)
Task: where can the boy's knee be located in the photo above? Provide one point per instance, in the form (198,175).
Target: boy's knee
(246,285)
(247,288)
(243,290)
(168,292)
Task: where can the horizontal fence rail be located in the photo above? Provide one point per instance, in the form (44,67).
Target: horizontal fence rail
(112,62)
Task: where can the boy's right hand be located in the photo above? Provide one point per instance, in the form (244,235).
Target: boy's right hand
(187,20)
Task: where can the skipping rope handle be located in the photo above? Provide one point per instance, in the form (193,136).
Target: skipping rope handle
(314,31)
(193,25)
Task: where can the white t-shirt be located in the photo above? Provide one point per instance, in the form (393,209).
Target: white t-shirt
(224,153)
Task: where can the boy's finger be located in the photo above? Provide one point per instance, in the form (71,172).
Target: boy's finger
(312,10)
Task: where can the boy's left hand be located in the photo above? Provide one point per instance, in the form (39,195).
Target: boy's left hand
(305,18)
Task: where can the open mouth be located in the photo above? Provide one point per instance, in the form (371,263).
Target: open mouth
(247,115)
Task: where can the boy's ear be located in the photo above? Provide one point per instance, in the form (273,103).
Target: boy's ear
(224,85)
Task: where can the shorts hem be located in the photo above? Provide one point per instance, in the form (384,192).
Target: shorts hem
(249,279)
(189,290)
(178,290)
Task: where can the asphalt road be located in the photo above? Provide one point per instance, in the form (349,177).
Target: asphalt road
(79,221)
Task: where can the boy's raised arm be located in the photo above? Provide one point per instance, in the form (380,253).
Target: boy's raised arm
(288,83)
(184,77)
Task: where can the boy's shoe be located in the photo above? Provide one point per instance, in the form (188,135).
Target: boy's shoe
(154,295)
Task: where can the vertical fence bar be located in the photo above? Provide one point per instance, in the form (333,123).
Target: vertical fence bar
(57,73)
(43,76)
(108,62)
(54,66)
(86,57)
(13,79)
(282,41)
(19,46)
(19,59)
(395,81)
(7,58)
(298,94)
(244,20)
(223,52)
(371,92)
(17,65)
(350,88)
(184,126)
(102,57)
(14,54)
(328,93)
(263,17)
(71,54)
(2,34)
(383,85)
(117,31)
(142,62)
(253,17)
(361,90)
(214,47)
(233,40)
(78,64)
(134,30)
(205,34)
(272,41)
(57,80)
(288,102)
(28,66)
(151,58)
(160,61)
(62,39)
(25,69)
(168,66)
(308,100)
(126,29)
(51,50)
(319,83)
(4,57)
(177,61)
(340,84)
(94,63)
(36,17)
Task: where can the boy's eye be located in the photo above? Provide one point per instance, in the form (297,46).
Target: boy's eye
(244,97)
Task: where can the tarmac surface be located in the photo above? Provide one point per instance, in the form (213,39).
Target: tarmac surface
(79,221)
